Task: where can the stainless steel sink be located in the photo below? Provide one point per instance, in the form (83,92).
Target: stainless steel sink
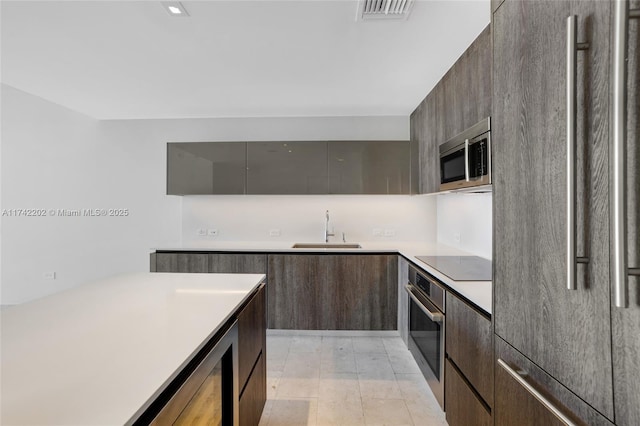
(326,246)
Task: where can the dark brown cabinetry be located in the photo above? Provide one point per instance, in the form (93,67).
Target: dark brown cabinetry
(333,292)
(463,407)
(226,263)
(518,379)
(461,99)
(252,353)
(179,262)
(576,337)
(469,347)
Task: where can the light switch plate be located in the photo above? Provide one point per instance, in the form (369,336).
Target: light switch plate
(212,232)
(201,232)
(389,232)
(377,232)
(49,275)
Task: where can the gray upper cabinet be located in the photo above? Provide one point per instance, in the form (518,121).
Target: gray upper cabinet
(369,167)
(206,168)
(295,168)
(287,168)
(565,332)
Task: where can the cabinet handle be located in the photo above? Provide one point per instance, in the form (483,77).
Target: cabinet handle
(537,395)
(433,316)
(618,161)
(572,49)
(466,160)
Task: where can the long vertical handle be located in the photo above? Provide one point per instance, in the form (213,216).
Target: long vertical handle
(466,160)
(572,58)
(618,157)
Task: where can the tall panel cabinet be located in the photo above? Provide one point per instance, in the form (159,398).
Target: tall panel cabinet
(567,333)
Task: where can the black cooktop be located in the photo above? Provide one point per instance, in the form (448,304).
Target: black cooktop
(460,268)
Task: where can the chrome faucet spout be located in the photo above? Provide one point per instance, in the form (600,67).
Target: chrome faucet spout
(326,229)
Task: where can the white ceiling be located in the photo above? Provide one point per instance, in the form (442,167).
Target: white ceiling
(130,59)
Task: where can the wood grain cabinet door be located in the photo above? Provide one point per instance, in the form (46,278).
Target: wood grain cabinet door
(469,346)
(230,263)
(565,332)
(180,262)
(527,396)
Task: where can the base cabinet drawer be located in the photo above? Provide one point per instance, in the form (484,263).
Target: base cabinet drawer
(252,334)
(528,396)
(254,396)
(470,345)
(462,405)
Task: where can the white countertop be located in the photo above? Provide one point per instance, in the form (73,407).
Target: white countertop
(97,353)
(477,292)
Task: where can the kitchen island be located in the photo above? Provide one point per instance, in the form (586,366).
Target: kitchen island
(101,353)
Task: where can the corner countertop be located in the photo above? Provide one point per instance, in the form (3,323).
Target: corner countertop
(97,354)
(479,293)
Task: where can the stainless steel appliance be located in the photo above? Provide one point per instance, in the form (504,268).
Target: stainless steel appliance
(460,268)
(427,328)
(465,160)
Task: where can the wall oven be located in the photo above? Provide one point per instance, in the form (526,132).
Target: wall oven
(465,160)
(427,328)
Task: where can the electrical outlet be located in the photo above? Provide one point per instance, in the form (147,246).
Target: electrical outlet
(274,232)
(377,232)
(456,237)
(389,232)
(212,232)
(51,275)
(201,232)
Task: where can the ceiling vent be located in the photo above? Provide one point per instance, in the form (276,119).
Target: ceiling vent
(383,9)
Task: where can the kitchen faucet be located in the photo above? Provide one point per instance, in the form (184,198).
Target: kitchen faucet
(326,230)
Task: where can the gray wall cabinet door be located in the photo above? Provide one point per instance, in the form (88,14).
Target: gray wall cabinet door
(369,167)
(565,332)
(626,322)
(287,168)
(206,168)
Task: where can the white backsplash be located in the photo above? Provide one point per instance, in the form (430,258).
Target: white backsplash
(465,222)
(302,218)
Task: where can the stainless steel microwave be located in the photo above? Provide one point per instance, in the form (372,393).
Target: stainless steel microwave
(465,160)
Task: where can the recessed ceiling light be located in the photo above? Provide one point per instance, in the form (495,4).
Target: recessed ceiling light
(174,8)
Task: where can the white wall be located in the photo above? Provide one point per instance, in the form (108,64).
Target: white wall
(302,218)
(55,158)
(468,215)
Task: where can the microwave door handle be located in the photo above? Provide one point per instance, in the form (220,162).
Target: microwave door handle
(466,160)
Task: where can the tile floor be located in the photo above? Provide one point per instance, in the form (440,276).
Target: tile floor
(314,380)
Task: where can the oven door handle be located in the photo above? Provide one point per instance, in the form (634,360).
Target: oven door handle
(433,316)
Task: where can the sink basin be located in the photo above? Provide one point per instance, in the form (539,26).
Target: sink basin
(326,246)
